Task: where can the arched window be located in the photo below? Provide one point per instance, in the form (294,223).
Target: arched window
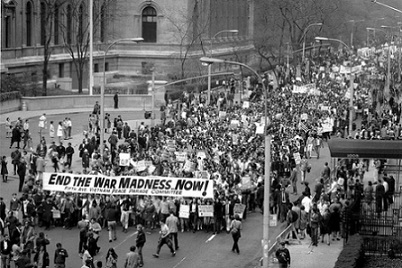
(103,23)
(149,24)
(69,24)
(42,23)
(29,21)
(8,30)
(56,24)
(81,22)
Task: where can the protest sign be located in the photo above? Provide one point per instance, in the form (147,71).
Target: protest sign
(170,143)
(127,185)
(201,154)
(202,174)
(234,123)
(189,166)
(184,211)
(141,165)
(304,116)
(326,127)
(246,183)
(124,159)
(297,158)
(246,104)
(151,169)
(205,210)
(239,209)
(235,139)
(259,128)
(181,156)
(222,114)
(309,89)
(325,108)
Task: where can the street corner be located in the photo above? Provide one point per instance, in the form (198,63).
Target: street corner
(306,255)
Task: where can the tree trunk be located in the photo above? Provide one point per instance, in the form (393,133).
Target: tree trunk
(44,76)
(79,77)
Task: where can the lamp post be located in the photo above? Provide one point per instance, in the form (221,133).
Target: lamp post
(102,116)
(210,55)
(353,28)
(387,6)
(91,46)
(304,37)
(267,154)
(351,79)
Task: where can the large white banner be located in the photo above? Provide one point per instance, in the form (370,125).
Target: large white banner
(310,89)
(128,185)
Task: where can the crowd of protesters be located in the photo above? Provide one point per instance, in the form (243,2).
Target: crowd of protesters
(223,143)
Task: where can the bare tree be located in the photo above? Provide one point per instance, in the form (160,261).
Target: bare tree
(75,30)
(282,21)
(188,32)
(48,10)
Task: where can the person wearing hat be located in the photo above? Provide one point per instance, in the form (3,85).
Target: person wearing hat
(283,255)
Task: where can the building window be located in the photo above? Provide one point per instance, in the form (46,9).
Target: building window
(81,22)
(96,68)
(7,31)
(43,23)
(56,24)
(29,21)
(103,22)
(149,24)
(61,69)
(106,66)
(69,24)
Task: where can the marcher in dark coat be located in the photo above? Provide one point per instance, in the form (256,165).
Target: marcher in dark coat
(116,100)
(16,137)
(22,170)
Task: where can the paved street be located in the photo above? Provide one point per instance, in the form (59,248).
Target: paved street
(196,250)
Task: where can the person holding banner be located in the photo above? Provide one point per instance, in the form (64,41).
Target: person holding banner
(235,229)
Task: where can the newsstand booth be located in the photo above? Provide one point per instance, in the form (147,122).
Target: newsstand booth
(390,150)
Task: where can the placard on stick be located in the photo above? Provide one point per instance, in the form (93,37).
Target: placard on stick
(239,209)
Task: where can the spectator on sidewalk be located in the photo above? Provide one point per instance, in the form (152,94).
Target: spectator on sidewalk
(283,255)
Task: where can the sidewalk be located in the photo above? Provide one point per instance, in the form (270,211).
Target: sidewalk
(306,256)
(30,114)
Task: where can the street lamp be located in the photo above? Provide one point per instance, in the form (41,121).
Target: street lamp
(387,6)
(318,38)
(102,119)
(210,55)
(353,28)
(267,154)
(304,36)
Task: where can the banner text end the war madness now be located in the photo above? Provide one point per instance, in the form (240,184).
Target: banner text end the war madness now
(128,185)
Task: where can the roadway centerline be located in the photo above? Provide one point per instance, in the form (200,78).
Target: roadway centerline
(177,265)
(121,243)
(210,239)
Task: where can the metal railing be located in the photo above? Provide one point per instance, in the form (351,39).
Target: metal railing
(381,231)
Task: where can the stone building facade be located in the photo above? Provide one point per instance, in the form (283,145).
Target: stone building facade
(176,33)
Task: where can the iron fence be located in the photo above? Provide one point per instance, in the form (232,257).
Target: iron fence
(381,227)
